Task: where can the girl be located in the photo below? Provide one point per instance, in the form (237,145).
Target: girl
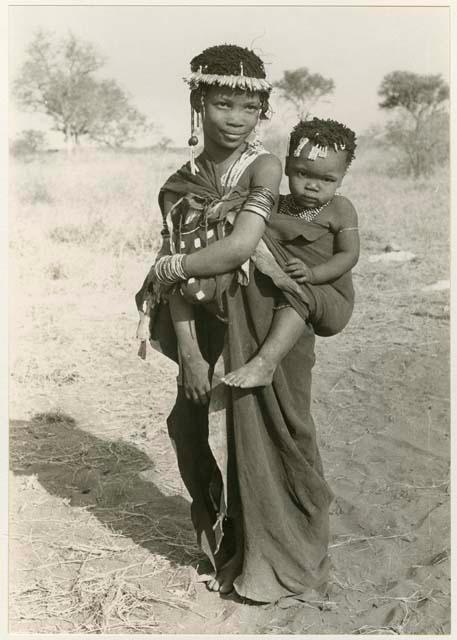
(248,458)
(314,238)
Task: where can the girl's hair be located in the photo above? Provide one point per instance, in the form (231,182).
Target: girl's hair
(324,133)
(225,59)
(229,60)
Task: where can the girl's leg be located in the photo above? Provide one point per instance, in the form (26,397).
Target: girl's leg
(286,328)
(230,570)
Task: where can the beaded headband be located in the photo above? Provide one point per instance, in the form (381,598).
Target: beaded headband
(316,151)
(247,83)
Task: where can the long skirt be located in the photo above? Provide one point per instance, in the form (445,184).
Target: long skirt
(273,479)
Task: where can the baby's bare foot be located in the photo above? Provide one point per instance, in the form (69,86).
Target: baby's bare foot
(256,373)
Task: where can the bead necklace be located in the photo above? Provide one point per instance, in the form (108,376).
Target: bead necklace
(289,208)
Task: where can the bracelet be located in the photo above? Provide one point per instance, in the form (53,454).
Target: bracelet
(170,269)
(260,201)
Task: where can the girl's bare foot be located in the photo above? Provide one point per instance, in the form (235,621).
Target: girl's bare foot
(258,372)
(223,582)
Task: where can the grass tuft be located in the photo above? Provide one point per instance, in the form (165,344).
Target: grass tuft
(52,417)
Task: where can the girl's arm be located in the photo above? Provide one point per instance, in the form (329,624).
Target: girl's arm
(231,252)
(220,257)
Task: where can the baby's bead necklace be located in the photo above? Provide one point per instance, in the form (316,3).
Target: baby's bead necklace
(289,208)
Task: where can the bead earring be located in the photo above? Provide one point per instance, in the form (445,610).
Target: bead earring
(193,140)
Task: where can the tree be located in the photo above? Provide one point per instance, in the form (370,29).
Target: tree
(58,79)
(105,115)
(420,95)
(304,89)
(420,125)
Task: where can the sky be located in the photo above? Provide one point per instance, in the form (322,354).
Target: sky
(148,49)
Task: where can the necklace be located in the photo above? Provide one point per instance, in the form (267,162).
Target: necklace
(289,208)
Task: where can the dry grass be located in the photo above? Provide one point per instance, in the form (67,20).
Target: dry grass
(99,519)
(89,556)
(83,578)
(93,204)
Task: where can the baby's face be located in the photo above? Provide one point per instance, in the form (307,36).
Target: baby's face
(314,182)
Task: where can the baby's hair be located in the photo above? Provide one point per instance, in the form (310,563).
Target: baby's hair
(324,133)
(228,60)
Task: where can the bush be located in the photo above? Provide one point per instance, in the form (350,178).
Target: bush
(29,142)
(422,148)
(79,233)
(56,271)
(35,192)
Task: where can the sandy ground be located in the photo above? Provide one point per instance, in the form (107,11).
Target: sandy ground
(100,533)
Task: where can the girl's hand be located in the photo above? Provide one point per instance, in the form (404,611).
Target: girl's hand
(196,381)
(299,271)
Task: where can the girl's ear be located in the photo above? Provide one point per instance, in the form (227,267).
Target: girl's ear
(286,166)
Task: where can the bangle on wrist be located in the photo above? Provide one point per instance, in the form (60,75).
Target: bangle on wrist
(169,269)
(184,267)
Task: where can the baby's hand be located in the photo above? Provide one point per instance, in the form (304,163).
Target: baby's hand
(299,271)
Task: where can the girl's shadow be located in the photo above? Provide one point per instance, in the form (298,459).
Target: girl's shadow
(104,477)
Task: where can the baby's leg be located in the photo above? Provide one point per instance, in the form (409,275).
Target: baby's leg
(286,328)
(194,375)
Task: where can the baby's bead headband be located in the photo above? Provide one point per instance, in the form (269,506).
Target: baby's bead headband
(316,151)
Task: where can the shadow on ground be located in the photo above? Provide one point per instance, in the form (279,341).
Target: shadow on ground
(105,478)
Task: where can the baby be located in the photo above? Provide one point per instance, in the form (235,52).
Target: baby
(314,239)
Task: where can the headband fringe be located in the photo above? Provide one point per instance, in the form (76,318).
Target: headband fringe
(234,82)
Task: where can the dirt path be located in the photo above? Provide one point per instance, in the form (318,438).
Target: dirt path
(100,529)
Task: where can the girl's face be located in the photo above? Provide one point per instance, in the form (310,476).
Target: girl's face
(228,117)
(314,182)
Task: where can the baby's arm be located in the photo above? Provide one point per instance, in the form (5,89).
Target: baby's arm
(347,243)
(344,225)
(232,251)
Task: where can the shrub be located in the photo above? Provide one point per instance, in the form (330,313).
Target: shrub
(35,192)
(56,271)
(30,141)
